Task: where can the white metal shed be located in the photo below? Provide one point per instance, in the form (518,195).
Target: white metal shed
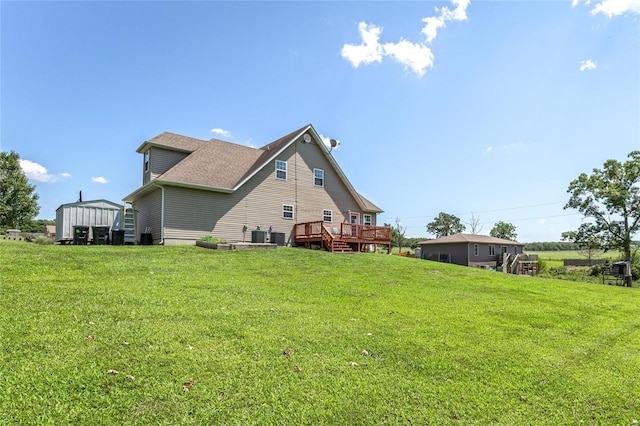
(85,213)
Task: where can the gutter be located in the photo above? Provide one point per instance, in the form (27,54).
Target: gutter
(161,242)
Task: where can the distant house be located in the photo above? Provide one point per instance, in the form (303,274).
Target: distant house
(50,231)
(481,251)
(192,188)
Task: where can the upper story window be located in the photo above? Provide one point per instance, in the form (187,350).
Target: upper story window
(318,177)
(146,161)
(327,216)
(281,170)
(287,211)
(366,219)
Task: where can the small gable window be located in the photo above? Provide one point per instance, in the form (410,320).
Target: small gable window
(318,175)
(146,161)
(287,211)
(281,170)
(366,219)
(327,215)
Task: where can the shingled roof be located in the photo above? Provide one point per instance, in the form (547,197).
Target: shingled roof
(226,166)
(172,141)
(471,238)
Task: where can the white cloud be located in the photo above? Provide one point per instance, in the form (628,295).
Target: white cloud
(221,132)
(370,49)
(489,149)
(434,23)
(612,8)
(416,57)
(588,65)
(98,179)
(39,173)
(327,142)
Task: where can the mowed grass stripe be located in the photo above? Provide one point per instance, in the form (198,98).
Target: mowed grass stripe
(293,336)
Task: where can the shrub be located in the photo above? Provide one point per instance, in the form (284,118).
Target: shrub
(213,239)
(542,265)
(42,240)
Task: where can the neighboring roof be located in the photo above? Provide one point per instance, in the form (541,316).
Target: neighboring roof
(94,203)
(471,238)
(225,166)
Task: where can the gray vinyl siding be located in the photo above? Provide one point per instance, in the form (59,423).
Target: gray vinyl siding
(161,160)
(149,214)
(191,214)
(464,253)
(458,252)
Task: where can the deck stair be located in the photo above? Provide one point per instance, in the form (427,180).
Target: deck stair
(340,246)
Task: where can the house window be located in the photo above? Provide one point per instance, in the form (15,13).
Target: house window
(287,211)
(281,170)
(475,249)
(504,249)
(492,251)
(327,215)
(318,177)
(146,161)
(366,219)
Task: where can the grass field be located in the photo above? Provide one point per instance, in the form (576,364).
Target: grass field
(185,335)
(573,254)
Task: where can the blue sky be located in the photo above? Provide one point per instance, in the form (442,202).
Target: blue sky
(483,107)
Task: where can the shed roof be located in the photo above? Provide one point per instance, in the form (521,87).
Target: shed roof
(93,203)
(471,238)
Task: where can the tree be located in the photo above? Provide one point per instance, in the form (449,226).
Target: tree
(474,224)
(504,230)
(586,237)
(445,224)
(397,233)
(18,201)
(610,197)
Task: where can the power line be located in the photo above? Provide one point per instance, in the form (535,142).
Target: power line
(512,220)
(489,211)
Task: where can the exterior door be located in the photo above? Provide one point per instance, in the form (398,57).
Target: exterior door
(355,218)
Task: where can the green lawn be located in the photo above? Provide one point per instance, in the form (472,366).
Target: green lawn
(294,336)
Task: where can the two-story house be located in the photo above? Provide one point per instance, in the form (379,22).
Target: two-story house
(192,188)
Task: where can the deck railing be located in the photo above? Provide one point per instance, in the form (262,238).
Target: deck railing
(349,232)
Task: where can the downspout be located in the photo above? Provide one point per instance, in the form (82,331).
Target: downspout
(161,242)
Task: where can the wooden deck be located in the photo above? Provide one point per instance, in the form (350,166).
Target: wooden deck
(345,238)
